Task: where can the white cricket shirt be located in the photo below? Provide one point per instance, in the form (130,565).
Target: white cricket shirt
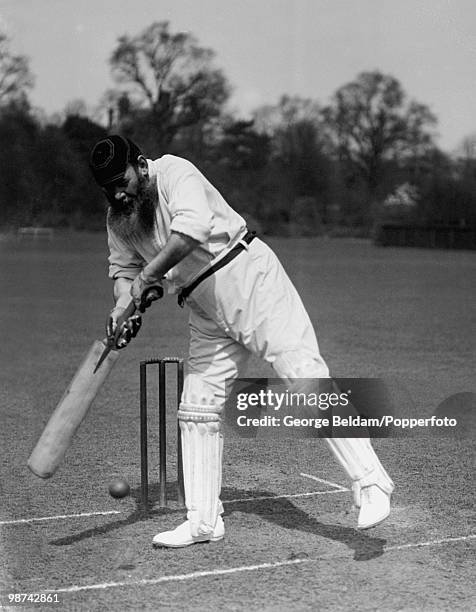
(188,203)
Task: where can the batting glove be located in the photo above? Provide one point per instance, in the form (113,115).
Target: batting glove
(145,291)
(120,334)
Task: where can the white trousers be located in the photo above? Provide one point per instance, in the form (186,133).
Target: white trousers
(248,306)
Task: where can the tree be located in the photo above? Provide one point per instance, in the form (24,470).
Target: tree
(82,134)
(17,133)
(467,149)
(171,78)
(15,76)
(241,147)
(76,108)
(236,160)
(299,165)
(289,111)
(466,158)
(371,122)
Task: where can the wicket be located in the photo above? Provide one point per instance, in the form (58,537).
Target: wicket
(162,405)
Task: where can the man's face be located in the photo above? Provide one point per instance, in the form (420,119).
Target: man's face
(125,191)
(132,210)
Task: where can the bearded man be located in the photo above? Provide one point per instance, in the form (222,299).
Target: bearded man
(169,226)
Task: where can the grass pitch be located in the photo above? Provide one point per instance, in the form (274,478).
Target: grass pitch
(402,314)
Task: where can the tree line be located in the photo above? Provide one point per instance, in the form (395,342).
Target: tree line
(295,167)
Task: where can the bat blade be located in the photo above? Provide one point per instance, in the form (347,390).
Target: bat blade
(70,411)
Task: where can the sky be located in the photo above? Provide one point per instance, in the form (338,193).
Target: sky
(266,48)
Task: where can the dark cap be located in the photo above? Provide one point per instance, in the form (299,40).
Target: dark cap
(110,156)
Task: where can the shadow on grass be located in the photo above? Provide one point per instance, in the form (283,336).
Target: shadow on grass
(279,510)
(284,513)
(139,515)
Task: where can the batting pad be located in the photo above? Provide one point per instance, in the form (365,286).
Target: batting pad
(202,448)
(359,460)
(380,466)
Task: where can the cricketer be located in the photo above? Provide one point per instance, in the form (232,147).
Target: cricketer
(168,225)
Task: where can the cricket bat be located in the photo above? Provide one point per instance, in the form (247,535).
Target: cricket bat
(78,397)
(71,410)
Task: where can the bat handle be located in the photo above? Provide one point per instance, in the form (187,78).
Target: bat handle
(152,294)
(128,312)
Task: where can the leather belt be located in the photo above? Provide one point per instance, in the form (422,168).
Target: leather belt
(232,253)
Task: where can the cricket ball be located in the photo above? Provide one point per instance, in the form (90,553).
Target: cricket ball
(119,488)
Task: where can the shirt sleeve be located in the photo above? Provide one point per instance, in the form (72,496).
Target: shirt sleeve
(124,262)
(190,211)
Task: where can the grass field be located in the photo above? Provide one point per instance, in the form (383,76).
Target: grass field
(406,315)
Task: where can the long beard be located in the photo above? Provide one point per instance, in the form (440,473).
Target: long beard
(135,220)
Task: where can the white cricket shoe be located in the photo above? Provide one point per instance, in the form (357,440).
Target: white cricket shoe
(181,535)
(374,506)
